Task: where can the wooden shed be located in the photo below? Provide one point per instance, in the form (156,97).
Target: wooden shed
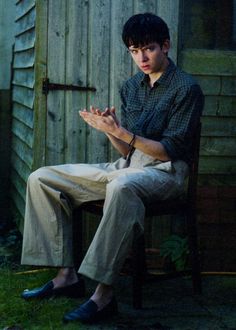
(69,54)
(7,13)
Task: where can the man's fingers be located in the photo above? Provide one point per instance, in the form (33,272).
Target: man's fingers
(113,109)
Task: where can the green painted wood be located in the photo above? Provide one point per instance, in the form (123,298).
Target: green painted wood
(217,165)
(55,140)
(208,62)
(19,204)
(142,6)
(24,59)
(24,96)
(40,69)
(23,114)
(23,132)
(76,73)
(120,60)
(20,167)
(98,74)
(220,106)
(19,185)
(218,146)
(211,85)
(23,8)
(22,150)
(24,77)
(169,11)
(26,22)
(219,126)
(229,86)
(217,180)
(217,85)
(25,40)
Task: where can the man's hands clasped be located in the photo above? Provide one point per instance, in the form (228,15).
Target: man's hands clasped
(105,121)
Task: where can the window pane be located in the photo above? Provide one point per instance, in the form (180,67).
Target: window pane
(209,24)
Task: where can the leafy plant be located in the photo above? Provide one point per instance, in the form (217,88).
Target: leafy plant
(176,248)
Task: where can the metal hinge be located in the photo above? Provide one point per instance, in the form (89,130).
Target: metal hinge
(48,86)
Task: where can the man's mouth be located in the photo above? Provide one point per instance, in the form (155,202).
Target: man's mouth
(145,67)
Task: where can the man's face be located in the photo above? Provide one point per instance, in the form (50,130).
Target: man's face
(150,58)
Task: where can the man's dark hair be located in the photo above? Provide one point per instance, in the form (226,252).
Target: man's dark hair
(143,29)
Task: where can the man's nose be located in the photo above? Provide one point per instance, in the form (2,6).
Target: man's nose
(143,56)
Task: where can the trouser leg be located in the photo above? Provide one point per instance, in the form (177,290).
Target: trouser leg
(123,212)
(52,192)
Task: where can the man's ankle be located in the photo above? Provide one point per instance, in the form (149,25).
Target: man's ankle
(65,276)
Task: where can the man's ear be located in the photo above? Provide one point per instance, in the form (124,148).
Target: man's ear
(166,46)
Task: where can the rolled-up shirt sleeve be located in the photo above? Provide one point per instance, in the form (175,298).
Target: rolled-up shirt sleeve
(182,121)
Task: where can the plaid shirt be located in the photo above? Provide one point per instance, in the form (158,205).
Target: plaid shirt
(168,112)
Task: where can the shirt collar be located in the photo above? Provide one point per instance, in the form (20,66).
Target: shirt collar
(165,77)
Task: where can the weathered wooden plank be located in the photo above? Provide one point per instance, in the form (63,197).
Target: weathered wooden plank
(40,108)
(76,73)
(217,179)
(208,62)
(120,60)
(7,31)
(19,205)
(143,6)
(220,106)
(23,114)
(24,77)
(19,184)
(229,85)
(22,150)
(26,22)
(24,59)
(56,73)
(25,40)
(98,75)
(169,11)
(20,167)
(23,95)
(211,85)
(219,127)
(23,132)
(217,165)
(23,8)
(218,146)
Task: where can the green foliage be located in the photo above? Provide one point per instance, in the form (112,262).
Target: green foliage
(176,248)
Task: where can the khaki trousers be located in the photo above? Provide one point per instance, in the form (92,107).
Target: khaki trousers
(53,192)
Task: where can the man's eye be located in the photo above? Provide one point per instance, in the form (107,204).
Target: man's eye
(150,49)
(133,51)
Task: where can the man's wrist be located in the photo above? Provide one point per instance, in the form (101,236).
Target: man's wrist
(122,134)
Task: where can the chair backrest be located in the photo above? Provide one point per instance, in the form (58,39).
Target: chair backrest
(193,169)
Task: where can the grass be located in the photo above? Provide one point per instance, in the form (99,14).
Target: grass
(15,312)
(41,314)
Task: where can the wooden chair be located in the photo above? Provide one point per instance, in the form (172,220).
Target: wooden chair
(184,206)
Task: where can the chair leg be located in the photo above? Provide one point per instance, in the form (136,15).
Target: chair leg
(77,237)
(194,252)
(139,270)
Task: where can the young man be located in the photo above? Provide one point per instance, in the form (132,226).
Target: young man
(161,107)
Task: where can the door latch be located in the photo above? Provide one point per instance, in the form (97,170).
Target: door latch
(48,86)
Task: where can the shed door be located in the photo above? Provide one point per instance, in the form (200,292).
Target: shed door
(85,48)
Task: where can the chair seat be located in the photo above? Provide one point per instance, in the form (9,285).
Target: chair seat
(160,207)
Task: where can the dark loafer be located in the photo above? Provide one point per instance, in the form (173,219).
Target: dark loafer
(76,290)
(88,312)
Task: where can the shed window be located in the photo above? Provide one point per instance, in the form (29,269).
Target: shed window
(209,24)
